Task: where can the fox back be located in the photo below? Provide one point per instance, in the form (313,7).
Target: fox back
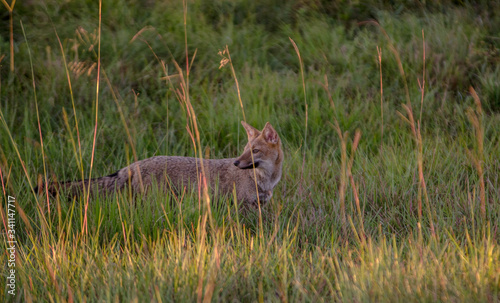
(253,175)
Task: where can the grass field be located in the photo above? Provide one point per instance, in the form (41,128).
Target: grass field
(389,116)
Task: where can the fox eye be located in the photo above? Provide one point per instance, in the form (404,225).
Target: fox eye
(255,151)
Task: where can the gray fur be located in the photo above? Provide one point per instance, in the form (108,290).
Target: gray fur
(176,174)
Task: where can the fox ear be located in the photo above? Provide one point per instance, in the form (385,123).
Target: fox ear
(270,135)
(252,132)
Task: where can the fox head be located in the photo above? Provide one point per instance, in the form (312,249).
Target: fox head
(264,146)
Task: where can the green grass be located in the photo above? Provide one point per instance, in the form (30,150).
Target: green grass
(392,240)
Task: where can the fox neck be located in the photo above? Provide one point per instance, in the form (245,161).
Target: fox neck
(268,178)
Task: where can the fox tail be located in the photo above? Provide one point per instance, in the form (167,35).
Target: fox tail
(77,188)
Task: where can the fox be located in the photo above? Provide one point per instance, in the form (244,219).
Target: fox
(254,174)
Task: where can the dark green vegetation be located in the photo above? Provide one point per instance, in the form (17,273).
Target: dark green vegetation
(365,229)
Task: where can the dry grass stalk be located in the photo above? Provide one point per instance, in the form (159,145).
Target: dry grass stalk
(477,157)
(87,198)
(379,52)
(422,85)
(355,143)
(346,176)
(393,49)
(343,172)
(38,122)
(422,189)
(228,61)
(305,102)
(10,9)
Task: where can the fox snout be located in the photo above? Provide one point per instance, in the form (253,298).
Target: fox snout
(241,165)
